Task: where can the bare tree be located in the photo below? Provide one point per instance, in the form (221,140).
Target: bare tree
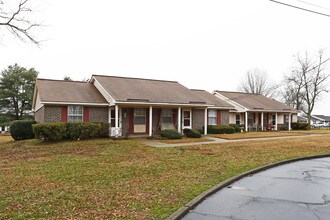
(256,81)
(307,82)
(15,17)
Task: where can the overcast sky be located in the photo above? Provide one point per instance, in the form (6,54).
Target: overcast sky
(202,44)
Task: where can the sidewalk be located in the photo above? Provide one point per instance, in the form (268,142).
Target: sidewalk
(155,143)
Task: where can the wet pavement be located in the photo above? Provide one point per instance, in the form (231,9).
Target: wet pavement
(299,190)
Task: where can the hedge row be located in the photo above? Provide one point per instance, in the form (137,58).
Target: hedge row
(300,126)
(70,130)
(221,129)
(236,127)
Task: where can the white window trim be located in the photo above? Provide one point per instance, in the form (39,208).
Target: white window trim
(190,126)
(82,113)
(216,117)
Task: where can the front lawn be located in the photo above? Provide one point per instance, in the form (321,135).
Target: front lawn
(5,138)
(265,134)
(124,179)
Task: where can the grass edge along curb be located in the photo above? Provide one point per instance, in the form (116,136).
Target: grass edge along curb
(181,212)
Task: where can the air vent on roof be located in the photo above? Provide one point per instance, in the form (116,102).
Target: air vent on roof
(287,109)
(258,108)
(138,100)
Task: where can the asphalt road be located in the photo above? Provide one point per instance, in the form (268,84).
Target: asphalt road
(299,190)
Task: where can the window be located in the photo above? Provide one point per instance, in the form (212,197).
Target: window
(186,118)
(75,113)
(273,119)
(251,119)
(212,117)
(167,115)
(286,119)
(238,119)
(139,116)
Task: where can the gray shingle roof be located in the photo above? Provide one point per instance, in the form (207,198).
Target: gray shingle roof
(256,101)
(68,91)
(147,90)
(211,99)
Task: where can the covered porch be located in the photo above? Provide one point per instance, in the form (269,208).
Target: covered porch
(264,121)
(149,120)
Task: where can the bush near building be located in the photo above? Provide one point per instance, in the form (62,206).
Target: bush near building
(22,129)
(191,133)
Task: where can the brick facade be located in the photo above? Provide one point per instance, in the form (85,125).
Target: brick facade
(198,118)
(98,114)
(53,114)
(125,120)
(224,117)
(40,115)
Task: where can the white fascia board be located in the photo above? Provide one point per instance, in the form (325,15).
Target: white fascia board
(238,107)
(160,104)
(103,91)
(222,108)
(279,111)
(75,103)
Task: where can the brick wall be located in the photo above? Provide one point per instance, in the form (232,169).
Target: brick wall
(53,114)
(98,114)
(224,117)
(125,120)
(198,118)
(39,115)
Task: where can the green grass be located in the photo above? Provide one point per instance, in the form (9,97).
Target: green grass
(124,179)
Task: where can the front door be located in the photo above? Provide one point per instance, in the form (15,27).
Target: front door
(140,120)
(186,119)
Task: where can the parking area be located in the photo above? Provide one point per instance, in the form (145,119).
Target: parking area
(299,190)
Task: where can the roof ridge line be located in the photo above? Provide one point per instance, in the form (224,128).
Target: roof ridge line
(123,77)
(59,80)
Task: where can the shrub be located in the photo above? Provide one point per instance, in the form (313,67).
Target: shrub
(22,130)
(104,132)
(80,130)
(51,131)
(236,127)
(282,127)
(170,134)
(71,130)
(191,133)
(300,126)
(221,129)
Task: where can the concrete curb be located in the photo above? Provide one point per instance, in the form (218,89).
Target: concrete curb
(194,202)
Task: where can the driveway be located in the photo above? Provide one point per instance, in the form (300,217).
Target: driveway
(299,190)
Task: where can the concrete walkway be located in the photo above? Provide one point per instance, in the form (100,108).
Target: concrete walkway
(298,190)
(213,140)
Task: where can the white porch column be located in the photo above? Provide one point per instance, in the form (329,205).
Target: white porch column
(150,121)
(205,121)
(246,121)
(289,122)
(116,120)
(179,119)
(276,121)
(262,121)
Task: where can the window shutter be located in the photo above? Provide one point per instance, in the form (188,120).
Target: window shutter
(64,113)
(86,114)
(219,117)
